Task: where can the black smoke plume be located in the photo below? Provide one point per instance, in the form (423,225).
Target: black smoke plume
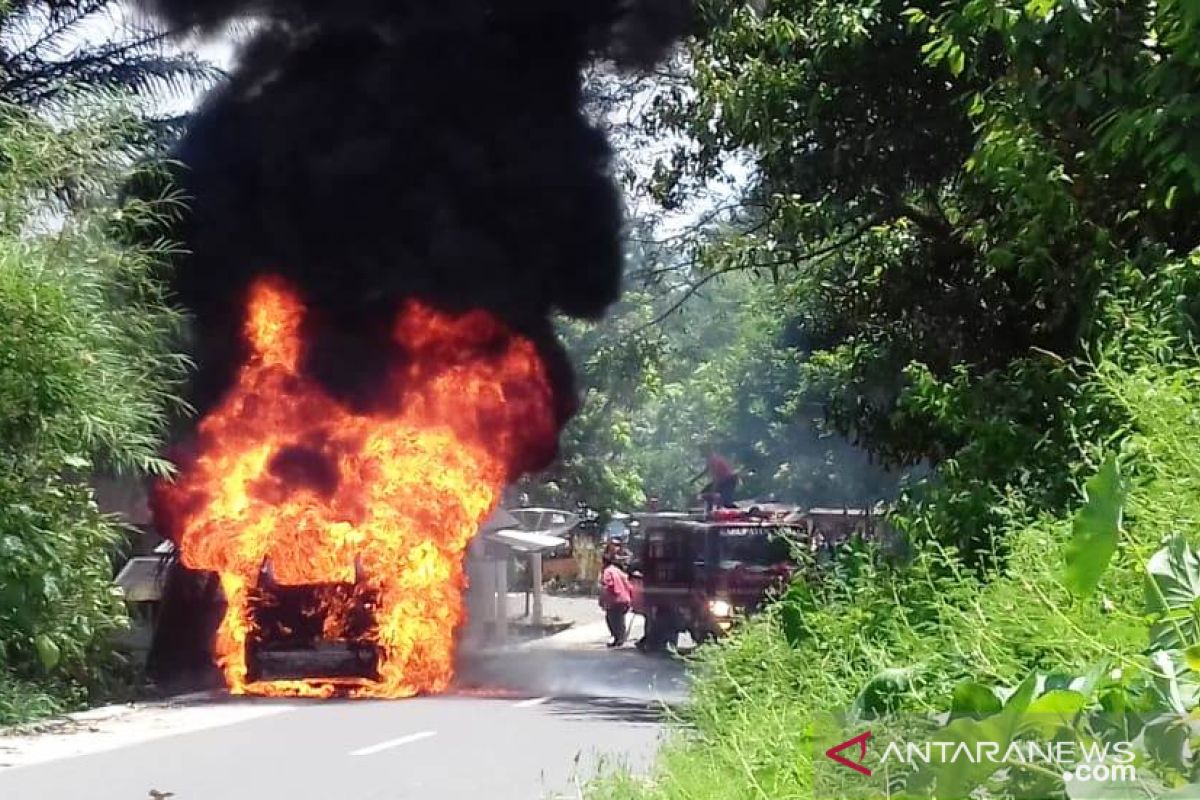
(372,151)
(375,150)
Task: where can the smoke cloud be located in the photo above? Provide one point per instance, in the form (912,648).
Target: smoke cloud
(370,151)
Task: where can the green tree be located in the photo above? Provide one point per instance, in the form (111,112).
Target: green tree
(723,370)
(955,195)
(618,369)
(1017,308)
(50,49)
(86,379)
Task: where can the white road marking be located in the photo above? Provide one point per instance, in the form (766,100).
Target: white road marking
(533,701)
(390,743)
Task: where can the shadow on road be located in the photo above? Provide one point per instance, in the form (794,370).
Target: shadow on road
(621,674)
(611,709)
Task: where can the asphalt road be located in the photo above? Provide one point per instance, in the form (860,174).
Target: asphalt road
(522,726)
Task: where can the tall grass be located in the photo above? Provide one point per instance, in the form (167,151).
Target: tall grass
(931,623)
(87,378)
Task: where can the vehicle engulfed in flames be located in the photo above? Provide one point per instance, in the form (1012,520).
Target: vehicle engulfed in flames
(321,631)
(338,533)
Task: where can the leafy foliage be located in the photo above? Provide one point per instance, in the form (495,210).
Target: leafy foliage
(722,371)
(1100,666)
(86,377)
(1173,596)
(959,198)
(1096,530)
(1146,704)
(984,214)
(51,49)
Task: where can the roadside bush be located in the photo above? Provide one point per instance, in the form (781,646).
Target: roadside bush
(85,380)
(916,632)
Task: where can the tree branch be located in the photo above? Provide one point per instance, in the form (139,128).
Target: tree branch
(793,257)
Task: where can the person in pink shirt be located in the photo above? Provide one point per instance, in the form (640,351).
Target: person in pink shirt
(616,594)
(722,480)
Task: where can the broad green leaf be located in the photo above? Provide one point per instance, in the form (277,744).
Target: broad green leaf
(1096,530)
(976,107)
(1120,718)
(1062,703)
(1169,202)
(48,652)
(1172,586)
(1053,711)
(1040,9)
(1166,739)
(1176,683)
(1174,577)
(960,777)
(957,60)
(975,700)
(883,693)
(1192,657)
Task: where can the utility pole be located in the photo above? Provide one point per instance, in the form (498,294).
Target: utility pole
(535,573)
(501,599)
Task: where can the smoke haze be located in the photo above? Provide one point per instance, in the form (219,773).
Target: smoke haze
(372,151)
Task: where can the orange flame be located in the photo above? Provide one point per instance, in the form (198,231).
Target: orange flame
(390,497)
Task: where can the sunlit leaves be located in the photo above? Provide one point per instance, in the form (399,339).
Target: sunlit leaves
(982,179)
(86,379)
(1096,530)
(48,652)
(973,700)
(1173,595)
(957,778)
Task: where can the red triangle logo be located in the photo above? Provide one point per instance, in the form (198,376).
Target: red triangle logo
(860,740)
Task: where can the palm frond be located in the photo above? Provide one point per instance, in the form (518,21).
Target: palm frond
(50,50)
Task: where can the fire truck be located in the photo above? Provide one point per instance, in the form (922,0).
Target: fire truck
(698,573)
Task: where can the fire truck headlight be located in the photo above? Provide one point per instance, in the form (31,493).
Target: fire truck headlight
(720,608)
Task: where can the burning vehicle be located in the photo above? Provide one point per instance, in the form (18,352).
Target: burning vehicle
(331,624)
(314,514)
(385,204)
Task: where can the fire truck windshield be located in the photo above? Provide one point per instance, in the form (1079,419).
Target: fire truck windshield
(753,546)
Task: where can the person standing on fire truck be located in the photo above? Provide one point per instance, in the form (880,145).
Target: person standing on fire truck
(722,480)
(616,596)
